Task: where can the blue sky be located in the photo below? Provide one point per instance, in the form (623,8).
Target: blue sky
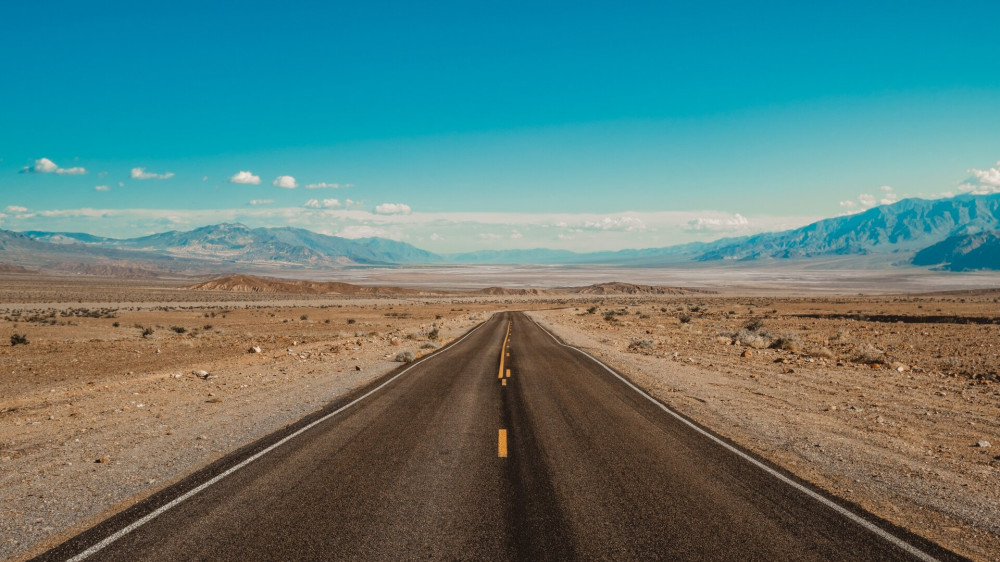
(463,126)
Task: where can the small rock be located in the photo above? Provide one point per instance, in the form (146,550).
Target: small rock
(746,353)
(254,349)
(983,444)
(394,341)
(405,356)
(357,367)
(831,409)
(200,373)
(215,400)
(103,460)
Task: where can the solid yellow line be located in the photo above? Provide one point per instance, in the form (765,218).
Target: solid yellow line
(502,444)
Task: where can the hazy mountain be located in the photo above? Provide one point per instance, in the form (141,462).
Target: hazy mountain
(963,252)
(904,227)
(236,243)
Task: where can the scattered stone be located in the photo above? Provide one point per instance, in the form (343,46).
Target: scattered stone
(394,341)
(103,460)
(254,349)
(405,356)
(200,373)
(357,367)
(983,444)
(831,409)
(215,400)
(746,353)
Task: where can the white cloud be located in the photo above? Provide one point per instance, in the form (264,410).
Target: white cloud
(886,188)
(624,223)
(142,174)
(889,199)
(392,209)
(102,188)
(74,171)
(435,236)
(324,185)
(867,200)
(725,223)
(285,182)
(46,166)
(515,235)
(982,181)
(848,204)
(245,178)
(362,231)
(204,178)
(16,209)
(261,201)
(322,204)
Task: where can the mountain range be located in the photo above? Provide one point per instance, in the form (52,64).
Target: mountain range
(959,233)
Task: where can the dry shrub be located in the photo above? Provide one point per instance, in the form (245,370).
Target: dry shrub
(787,342)
(868,353)
(754,339)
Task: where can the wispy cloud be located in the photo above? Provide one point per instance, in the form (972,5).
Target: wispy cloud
(982,181)
(624,223)
(720,223)
(102,188)
(245,177)
(324,185)
(393,209)
(46,166)
(142,174)
(285,182)
(323,204)
(261,201)
(16,209)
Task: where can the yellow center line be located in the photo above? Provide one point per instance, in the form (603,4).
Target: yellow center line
(508,373)
(503,382)
(503,351)
(502,444)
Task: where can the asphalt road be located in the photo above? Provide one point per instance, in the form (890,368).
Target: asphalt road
(453,460)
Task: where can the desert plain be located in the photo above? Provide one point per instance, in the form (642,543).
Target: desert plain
(889,399)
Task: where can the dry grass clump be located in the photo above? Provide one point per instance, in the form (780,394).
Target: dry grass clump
(405,356)
(787,342)
(868,353)
(823,352)
(753,339)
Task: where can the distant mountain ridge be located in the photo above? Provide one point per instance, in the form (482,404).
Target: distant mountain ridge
(900,234)
(903,227)
(963,252)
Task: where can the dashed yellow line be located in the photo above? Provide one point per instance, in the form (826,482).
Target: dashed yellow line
(503,351)
(502,444)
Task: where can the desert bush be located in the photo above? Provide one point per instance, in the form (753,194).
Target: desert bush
(116,324)
(787,342)
(327,321)
(753,339)
(609,316)
(351,321)
(684,318)
(146,332)
(753,324)
(179,329)
(18,339)
(405,356)
(429,345)
(592,310)
(640,344)
(304,317)
(868,353)
(823,352)
(433,334)
(206,327)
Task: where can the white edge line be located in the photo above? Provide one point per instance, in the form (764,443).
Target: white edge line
(194,491)
(893,539)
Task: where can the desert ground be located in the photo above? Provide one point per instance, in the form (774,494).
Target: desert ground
(123,387)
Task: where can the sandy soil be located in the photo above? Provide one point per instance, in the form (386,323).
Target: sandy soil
(891,416)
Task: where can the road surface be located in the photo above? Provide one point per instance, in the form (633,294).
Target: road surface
(507,445)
